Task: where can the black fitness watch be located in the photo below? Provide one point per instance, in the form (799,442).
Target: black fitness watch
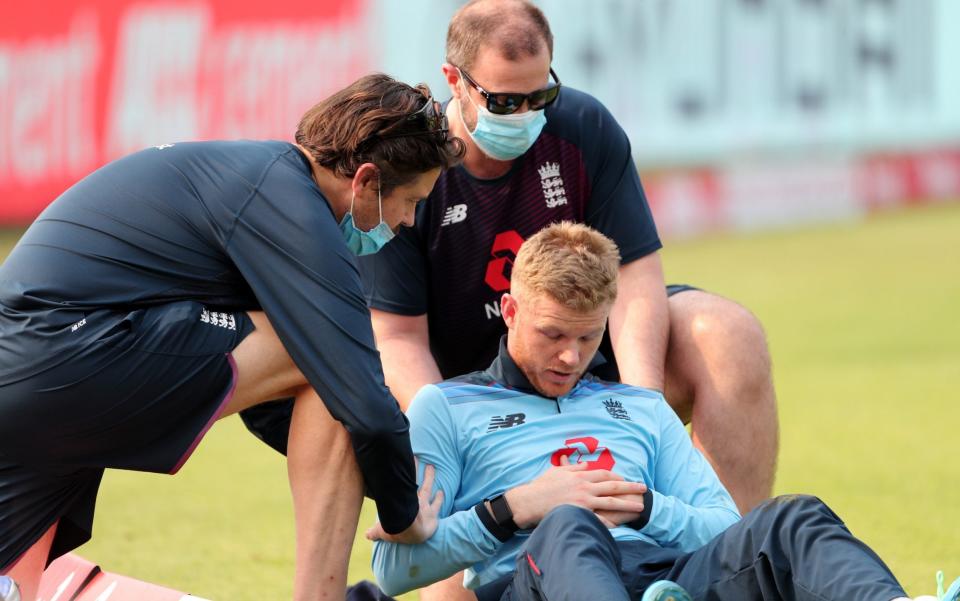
(499,519)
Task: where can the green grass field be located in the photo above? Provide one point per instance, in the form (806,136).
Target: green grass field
(862,321)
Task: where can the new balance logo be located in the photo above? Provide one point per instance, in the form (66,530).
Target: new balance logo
(454,214)
(222,320)
(507,421)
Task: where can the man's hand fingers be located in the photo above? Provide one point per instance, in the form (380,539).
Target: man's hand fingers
(375,532)
(616,504)
(606,522)
(426,488)
(437,502)
(613,488)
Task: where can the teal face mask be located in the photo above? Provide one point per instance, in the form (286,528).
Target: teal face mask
(505,137)
(365,243)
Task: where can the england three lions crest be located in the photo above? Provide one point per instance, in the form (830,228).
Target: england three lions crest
(552,184)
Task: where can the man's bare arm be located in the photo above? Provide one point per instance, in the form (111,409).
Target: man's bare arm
(640,323)
(404,344)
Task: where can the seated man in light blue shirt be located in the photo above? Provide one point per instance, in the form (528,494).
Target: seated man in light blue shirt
(552,484)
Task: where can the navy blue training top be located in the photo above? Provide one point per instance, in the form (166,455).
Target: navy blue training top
(233,225)
(455,263)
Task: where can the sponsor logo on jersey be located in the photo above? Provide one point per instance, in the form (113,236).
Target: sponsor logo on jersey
(454,214)
(507,421)
(221,320)
(506,245)
(505,248)
(616,410)
(553,191)
(78,325)
(587,450)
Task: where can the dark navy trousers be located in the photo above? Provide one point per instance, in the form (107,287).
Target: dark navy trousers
(790,548)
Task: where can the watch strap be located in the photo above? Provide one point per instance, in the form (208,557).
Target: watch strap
(486,518)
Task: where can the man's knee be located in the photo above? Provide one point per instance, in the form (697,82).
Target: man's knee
(790,512)
(712,336)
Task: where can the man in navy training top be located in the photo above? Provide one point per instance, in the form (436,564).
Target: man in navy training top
(521,457)
(190,281)
(536,154)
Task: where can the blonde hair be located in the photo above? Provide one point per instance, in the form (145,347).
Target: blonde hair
(572,263)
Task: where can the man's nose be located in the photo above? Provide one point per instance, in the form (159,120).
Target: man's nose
(570,356)
(408,218)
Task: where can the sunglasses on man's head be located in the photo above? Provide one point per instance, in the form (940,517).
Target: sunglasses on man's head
(430,116)
(506,103)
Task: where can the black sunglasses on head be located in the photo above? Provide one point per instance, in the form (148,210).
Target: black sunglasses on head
(430,116)
(507,103)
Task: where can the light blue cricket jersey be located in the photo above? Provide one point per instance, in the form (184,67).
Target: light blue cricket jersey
(489,431)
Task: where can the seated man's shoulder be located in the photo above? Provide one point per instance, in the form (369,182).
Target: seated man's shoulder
(473,386)
(599,385)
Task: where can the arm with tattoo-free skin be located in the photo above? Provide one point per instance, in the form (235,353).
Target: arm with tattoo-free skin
(404,344)
(640,323)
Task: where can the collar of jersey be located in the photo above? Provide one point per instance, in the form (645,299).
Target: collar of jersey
(506,372)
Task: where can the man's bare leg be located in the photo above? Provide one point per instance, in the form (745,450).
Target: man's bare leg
(718,378)
(28,570)
(324,478)
(327,494)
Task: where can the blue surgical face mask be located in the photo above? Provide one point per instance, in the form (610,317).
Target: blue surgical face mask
(505,137)
(365,243)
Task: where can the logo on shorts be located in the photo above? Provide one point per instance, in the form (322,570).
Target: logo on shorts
(507,421)
(221,320)
(585,450)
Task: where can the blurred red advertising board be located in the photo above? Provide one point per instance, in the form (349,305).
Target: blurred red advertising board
(85,81)
(896,179)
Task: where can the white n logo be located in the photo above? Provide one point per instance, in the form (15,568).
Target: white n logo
(454,214)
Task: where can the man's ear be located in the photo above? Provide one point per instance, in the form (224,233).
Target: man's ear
(508,309)
(367,176)
(452,75)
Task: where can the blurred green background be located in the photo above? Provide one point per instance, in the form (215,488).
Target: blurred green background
(862,323)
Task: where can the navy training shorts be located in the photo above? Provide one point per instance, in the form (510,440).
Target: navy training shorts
(140,396)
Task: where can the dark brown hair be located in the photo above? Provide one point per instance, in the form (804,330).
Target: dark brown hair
(514,27)
(341,132)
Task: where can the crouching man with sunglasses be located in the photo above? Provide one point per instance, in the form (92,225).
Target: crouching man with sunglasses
(537,153)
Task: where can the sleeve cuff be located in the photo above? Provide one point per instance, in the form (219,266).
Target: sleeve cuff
(396,515)
(644,518)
